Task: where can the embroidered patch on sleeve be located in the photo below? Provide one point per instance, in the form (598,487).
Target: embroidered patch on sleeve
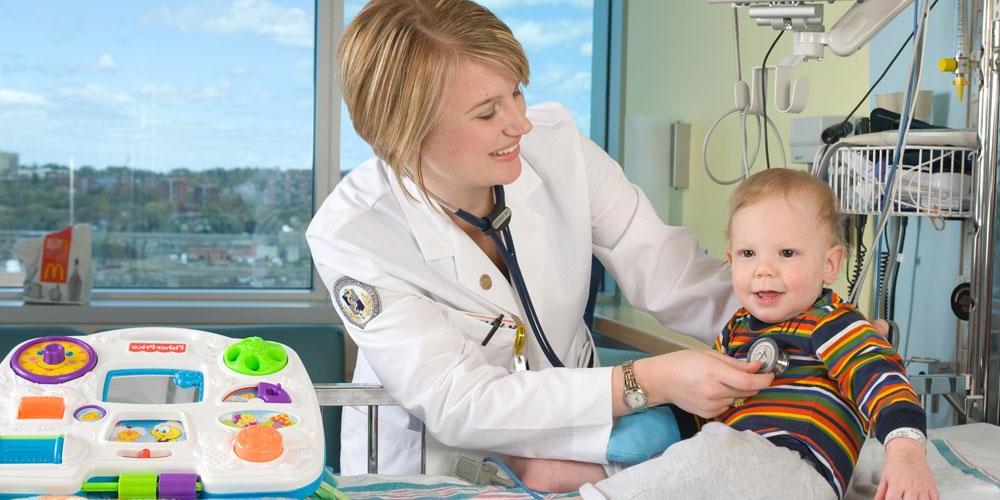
(358,301)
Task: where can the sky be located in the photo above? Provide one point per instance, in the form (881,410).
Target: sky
(216,83)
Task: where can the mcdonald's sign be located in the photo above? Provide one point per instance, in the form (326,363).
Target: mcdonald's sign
(55,256)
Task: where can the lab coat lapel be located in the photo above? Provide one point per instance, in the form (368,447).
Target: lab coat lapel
(528,229)
(439,238)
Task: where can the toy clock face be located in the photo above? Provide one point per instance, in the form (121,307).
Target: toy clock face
(53,360)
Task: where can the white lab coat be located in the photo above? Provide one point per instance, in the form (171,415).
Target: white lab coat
(571,200)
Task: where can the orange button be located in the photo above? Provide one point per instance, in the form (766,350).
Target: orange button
(258,443)
(33,407)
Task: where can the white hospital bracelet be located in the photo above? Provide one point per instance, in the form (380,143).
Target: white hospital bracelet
(907,432)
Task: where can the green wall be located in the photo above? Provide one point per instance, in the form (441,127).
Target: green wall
(679,64)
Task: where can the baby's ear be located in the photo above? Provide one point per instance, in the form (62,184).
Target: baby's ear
(729,257)
(834,258)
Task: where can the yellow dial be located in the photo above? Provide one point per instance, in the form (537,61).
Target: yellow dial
(32,358)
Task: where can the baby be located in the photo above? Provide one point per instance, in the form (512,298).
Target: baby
(838,380)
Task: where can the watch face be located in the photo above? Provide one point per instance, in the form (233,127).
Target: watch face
(635,399)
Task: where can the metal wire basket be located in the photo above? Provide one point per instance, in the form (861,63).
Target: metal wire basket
(933,180)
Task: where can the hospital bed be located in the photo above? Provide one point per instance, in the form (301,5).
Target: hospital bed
(965,460)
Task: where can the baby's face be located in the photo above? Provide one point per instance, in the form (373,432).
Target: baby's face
(781,256)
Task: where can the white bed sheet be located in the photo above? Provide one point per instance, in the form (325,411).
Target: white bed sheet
(965,460)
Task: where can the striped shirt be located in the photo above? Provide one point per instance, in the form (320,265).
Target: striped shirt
(843,380)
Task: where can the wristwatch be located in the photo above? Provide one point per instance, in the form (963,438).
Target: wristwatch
(635,397)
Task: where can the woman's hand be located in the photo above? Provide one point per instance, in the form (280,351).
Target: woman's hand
(702,382)
(905,473)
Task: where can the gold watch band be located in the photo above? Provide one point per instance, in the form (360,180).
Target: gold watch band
(630,382)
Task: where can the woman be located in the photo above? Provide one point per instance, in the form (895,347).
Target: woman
(434,87)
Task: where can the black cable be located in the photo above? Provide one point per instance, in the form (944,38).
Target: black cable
(763,94)
(883,276)
(884,72)
(860,251)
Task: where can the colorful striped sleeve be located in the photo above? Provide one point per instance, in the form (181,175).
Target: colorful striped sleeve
(722,340)
(869,373)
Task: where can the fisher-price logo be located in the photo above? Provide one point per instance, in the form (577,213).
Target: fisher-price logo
(156,347)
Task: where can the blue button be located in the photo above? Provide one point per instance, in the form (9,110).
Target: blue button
(31,449)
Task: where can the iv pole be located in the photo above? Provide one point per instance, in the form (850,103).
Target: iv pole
(980,328)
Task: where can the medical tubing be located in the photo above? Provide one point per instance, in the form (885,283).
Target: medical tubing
(901,243)
(736,44)
(704,151)
(916,67)
(537,495)
(763,94)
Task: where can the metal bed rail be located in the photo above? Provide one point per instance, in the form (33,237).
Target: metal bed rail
(372,396)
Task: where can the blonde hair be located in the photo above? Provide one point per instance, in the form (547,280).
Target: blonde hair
(782,181)
(396,59)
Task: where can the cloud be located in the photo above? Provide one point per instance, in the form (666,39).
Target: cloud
(168,94)
(535,35)
(563,80)
(10,97)
(287,26)
(587,49)
(106,63)
(516,4)
(93,94)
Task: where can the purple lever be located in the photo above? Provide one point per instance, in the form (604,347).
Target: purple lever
(271,393)
(54,354)
(177,486)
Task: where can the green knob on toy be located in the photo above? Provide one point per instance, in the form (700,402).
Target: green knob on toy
(255,356)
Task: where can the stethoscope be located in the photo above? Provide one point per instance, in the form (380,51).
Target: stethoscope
(495,225)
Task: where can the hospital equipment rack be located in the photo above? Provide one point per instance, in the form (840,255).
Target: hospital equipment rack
(936,178)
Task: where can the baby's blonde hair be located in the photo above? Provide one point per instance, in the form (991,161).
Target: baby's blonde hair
(785,182)
(396,59)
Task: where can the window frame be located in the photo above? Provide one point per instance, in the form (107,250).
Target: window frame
(111,306)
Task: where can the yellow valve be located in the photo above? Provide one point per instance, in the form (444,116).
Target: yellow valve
(960,83)
(950,65)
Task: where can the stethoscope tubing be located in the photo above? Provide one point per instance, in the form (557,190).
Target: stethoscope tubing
(504,242)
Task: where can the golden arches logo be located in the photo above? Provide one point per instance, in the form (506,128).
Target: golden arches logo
(54,272)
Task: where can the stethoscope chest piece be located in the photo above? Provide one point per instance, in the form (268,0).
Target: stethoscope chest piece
(772,358)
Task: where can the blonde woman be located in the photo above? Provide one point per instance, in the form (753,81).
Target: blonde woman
(435,297)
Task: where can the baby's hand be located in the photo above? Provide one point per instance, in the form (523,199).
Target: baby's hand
(906,474)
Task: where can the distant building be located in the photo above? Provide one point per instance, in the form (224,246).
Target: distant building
(8,163)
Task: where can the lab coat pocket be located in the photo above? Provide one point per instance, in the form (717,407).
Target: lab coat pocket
(498,347)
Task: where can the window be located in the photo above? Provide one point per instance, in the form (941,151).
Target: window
(182,132)
(185,132)
(557,36)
